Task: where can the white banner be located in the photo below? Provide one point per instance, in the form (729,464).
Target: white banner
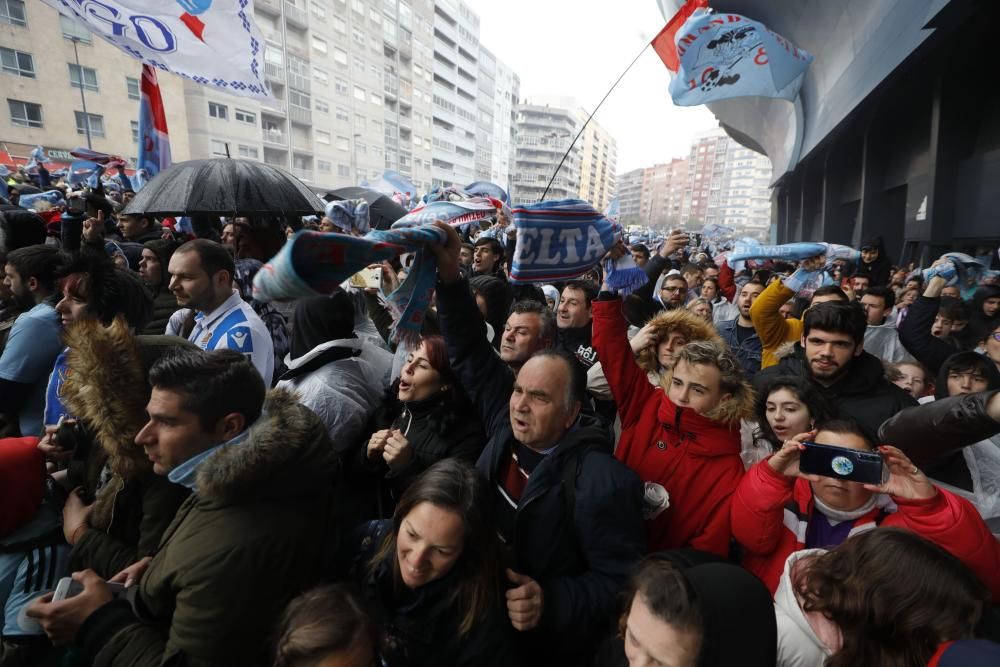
(212,42)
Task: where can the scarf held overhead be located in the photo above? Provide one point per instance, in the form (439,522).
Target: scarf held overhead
(563,239)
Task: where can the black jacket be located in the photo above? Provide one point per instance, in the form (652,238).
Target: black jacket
(915,334)
(581,567)
(879,271)
(420,628)
(577,342)
(862,393)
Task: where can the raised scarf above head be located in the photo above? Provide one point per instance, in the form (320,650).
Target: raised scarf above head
(563,239)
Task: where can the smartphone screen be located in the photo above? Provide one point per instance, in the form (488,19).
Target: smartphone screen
(844,463)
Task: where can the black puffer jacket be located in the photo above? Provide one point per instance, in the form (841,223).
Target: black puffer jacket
(582,556)
(879,271)
(862,393)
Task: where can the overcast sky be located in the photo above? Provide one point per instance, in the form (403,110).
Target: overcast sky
(568,47)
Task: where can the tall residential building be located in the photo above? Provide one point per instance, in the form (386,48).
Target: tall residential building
(456,66)
(484,112)
(505,95)
(598,158)
(663,191)
(543,135)
(629,191)
(50,100)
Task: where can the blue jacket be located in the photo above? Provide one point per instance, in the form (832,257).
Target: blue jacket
(749,352)
(581,565)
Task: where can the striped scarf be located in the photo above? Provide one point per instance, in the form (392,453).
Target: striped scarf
(563,239)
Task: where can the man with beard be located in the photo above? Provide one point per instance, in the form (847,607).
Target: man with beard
(831,355)
(740,334)
(34,341)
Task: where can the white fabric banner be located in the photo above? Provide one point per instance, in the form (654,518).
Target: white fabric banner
(212,42)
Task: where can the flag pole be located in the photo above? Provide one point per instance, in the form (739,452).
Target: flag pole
(590,117)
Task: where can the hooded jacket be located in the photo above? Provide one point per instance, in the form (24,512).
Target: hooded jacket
(106,389)
(979,325)
(882,340)
(164,301)
(773,329)
(879,271)
(696,458)
(259,529)
(862,393)
(581,564)
(497,295)
(679,320)
(771,515)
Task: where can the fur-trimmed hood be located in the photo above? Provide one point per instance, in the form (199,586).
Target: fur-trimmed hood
(286,453)
(737,407)
(106,388)
(681,320)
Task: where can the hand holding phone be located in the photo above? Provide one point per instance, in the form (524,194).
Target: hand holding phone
(852,465)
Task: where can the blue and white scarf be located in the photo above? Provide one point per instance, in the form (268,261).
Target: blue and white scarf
(563,239)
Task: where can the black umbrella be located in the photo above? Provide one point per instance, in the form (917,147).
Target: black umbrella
(224,186)
(382,210)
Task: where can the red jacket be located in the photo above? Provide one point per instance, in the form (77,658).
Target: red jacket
(696,459)
(770,517)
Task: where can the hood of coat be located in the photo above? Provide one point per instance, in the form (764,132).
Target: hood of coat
(106,388)
(287,453)
(681,320)
(786,601)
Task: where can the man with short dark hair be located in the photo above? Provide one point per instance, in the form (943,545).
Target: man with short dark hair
(881,337)
(574,322)
(831,355)
(774,329)
(34,341)
(137,228)
(568,513)
(673,291)
(530,327)
(213,314)
(859,285)
(259,525)
(739,333)
(640,254)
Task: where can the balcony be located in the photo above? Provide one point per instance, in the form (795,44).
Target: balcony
(391,87)
(302,174)
(299,115)
(272,7)
(274,107)
(275,138)
(296,15)
(273,73)
(299,82)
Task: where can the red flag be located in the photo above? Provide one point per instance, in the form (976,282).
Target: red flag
(663,43)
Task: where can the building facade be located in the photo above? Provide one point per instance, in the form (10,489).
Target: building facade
(58,81)
(598,160)
(543,136)
(629,191)
(664,188)
(505,97)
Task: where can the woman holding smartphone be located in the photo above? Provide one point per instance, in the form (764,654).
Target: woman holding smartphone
(778,509)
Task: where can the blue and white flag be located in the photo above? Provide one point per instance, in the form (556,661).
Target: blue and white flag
(391,182)
(54,197)
(81,171)
(727,55)
(487,189)
(38,159)
(614,210)
(212,42)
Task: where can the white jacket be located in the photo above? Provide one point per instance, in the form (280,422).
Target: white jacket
(798,644)
(344,393)
(882,340)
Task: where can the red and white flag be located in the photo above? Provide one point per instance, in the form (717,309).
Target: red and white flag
(663,43)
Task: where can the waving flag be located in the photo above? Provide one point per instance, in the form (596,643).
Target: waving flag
(211,42)
(727,55)
(154,140)
(81,171)
(663,43)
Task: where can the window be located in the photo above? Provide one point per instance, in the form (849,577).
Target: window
(298,99)
(17,62)
(274,56)
(340,56)
(343,171)
(319,44)
(71,29)
(360,147)
(359,93)
(25,114)
(321,106)
(359,65)
(359,36)
(360,122)
(249,152)
(342,114)
(135,131)
(318,10)
(322,137)
(324,166)
(340,85)
(218,148)
(376,99)
(321,75)
(247,117)
(343,144)
(132,85)
(339,25)
(216,110)
(12,12)
(96,123)
(358,6)
(88,79)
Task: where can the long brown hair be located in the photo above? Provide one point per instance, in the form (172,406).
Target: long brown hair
(456,487)
(895,596)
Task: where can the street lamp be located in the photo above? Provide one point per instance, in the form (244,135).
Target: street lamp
(83,97)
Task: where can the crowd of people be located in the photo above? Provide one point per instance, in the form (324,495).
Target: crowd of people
(554,474)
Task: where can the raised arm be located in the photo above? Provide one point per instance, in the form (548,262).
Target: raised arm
(628,382)
(915,329)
